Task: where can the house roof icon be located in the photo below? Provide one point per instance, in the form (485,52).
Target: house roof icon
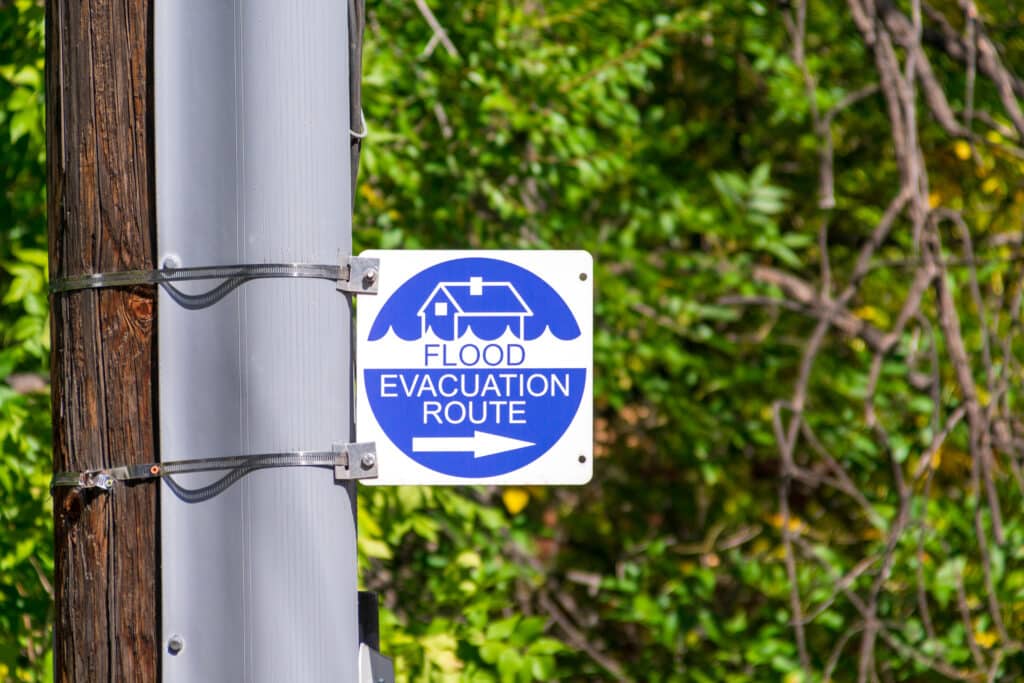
(452,307)
(484,298)
(479,298)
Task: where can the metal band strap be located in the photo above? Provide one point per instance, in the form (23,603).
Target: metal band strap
(355,274)
(350,461)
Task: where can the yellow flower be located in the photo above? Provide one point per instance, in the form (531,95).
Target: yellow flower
(795,524)
(985,638)
(515,499)
(373,198)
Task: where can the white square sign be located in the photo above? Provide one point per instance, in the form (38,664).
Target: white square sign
(476,367)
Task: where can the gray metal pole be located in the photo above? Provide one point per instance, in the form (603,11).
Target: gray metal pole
(252,165)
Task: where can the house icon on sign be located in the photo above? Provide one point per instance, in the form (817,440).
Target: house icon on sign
(486,308)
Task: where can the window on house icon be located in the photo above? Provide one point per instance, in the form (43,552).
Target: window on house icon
(440,308)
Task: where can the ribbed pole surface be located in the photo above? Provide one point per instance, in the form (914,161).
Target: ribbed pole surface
(252,121)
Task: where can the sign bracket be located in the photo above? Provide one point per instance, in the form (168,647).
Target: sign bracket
(359,274)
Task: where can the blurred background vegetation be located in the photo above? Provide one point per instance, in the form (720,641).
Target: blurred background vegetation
(806,219)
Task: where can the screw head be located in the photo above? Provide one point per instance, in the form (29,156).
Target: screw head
(104,481)
(370,276)
(368,460)
(175,644)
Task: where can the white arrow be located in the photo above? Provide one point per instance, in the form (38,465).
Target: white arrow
(480,444)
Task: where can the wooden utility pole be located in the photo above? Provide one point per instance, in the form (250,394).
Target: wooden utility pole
(101,218)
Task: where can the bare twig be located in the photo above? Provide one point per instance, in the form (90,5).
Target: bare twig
(439,36)
(949,321)
(633,51)
(971,39)
(965,617)
(1008,86)
(968,389)
(578,639)
(786,445)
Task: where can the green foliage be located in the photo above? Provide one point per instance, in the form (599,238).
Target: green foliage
(440,545)
(26,547)
(676,142)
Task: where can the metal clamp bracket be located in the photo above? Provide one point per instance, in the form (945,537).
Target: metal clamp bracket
(359,275)
(360,461)
(349,460)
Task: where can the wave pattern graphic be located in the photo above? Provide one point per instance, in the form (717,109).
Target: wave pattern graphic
(474,296)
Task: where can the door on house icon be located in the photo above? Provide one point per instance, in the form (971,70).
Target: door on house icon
(439,315)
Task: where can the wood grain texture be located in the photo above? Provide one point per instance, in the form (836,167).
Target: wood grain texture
(101,218)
